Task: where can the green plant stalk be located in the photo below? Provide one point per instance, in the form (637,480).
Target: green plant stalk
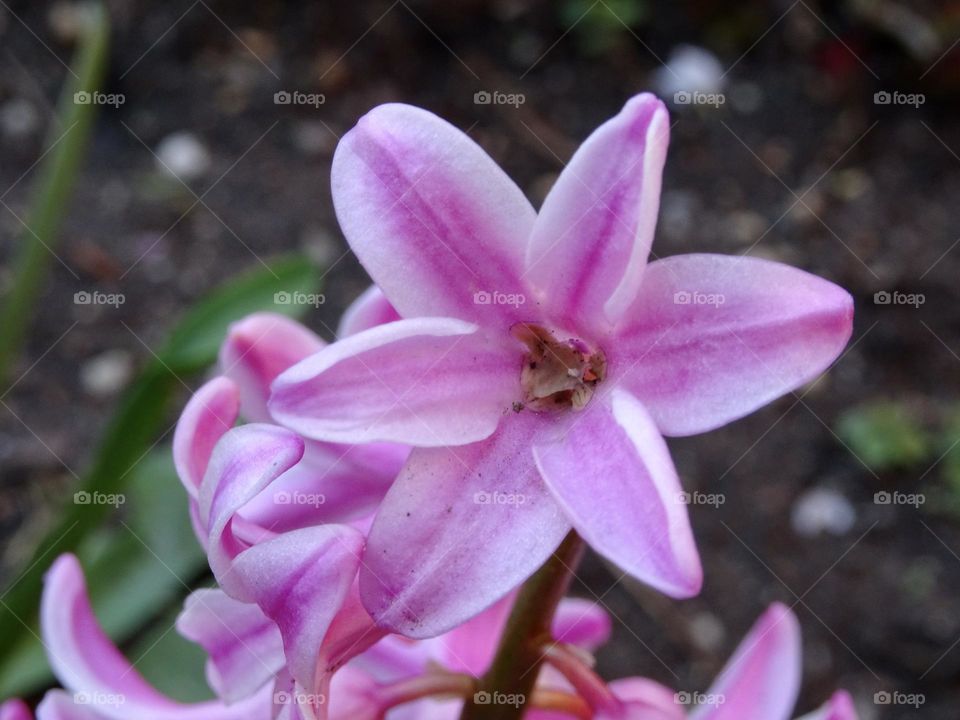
(140,420)
(516,665)
(58,174)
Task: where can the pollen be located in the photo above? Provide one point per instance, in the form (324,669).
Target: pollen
(557,374)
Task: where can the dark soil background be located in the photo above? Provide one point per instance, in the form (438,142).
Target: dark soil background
(878,210)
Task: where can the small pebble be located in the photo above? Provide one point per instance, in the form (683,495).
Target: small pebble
(822,511)
(707,632)
(18,119)
(105,374)
(183,155)
(690,69)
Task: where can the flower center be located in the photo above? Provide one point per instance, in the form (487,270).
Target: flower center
(557,374)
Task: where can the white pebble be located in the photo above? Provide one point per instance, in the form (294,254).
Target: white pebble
(106,373)
(822,510)
(183,156)
(690,69)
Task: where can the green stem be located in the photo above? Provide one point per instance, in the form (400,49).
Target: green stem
(37,239)
(508,685)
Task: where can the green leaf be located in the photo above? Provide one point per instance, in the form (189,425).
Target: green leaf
(884,435)
(68,141)
(133,571)
(195,342)
(172,664)
(141,419)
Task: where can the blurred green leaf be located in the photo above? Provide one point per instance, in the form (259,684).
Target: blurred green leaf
(172,664)
(68,141)
(133,571)
(193,345)
(884,435)
(138,423)
(599,26)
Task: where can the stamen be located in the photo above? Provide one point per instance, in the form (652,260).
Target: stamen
(557,374)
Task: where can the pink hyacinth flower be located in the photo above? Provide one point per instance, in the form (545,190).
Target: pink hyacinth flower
(540,361)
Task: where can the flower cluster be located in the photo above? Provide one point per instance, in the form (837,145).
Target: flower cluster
(369,522)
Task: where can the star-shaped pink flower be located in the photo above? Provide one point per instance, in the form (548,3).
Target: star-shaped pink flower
(540,360)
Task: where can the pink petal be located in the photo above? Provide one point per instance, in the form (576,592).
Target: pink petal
(582,623)
(82,657)
(256,350)
(244,645)
(245,461)
(15,710)
(458,530)
(838,707)
(332,483)
(470,647)
(351,633)
(611,472)
(367,311)
(211,411)
(715,337)
(427,382)
(431,216)
(644,700)
(762,679)
(104,682)
(300,580)
(58,705)
(591,240)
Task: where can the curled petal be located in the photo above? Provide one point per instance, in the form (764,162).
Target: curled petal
(611,471)
(245,461)
(104,683)
(211,411)
(432,217)
(333,483)
(762,679)
(715,337)
(300,580)
(256,350)
(590,243)
(428,382)
(458,530)
(244,646)
(369,310)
